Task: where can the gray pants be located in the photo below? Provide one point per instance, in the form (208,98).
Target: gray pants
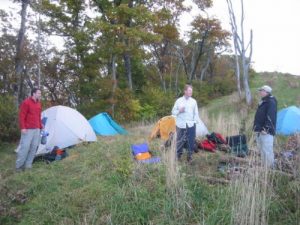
(265,145)
(28,146)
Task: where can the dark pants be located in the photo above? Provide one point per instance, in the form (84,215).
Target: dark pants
(185,139)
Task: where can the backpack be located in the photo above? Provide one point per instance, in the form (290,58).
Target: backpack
(217,138)
(238,145)
(207,145)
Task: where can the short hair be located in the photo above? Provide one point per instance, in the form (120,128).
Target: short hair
(187,86)
(34,90)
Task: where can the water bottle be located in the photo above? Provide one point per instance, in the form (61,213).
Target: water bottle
(44,135)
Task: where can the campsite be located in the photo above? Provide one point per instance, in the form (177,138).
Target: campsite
(100,183)
(149,112)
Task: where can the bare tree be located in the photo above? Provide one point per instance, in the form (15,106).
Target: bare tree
(19,66)
(240,50)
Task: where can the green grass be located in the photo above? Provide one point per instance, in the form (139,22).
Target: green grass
(100,183)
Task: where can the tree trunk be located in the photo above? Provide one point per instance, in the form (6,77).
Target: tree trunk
(237,68)
(176,77)
(127,61)
(203,71)
(197,54)
(114,80)
(246,60)
(39,51)
(19,66)
(239,46)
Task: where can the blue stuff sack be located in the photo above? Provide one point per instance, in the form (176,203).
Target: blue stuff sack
(139,148)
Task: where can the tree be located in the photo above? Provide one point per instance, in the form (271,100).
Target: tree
(125,25)
(241,50)
(69,20)
(19,60)
(207,38)
(7,56)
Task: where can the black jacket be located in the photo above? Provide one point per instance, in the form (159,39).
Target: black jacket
(266,115)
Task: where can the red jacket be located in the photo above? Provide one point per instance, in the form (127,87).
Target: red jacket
(30,114)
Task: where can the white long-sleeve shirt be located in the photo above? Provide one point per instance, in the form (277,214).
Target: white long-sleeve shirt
(190,116)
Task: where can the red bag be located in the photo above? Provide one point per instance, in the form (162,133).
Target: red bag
(207,145)
(221,138)
(217,138)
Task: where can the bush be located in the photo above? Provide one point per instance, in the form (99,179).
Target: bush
(9,129)
(157,102)
(147,112)
(127,108)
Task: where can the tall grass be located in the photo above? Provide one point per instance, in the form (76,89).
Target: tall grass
(222,123)
(252,192)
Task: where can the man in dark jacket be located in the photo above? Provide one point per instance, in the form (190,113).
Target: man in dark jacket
(265,124)
(30,125)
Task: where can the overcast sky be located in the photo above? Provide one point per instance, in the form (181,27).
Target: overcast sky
(276,31)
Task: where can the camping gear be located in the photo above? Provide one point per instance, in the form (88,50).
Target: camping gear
(142,154)
(44,135)
(288,121)
(66,127)
(238,145)
(213,142)
(55,155)
(217,138)
(139,148)
(207,145)
(104,125)
(201,129)
(166,127)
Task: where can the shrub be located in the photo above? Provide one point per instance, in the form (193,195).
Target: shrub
(147,112)
(161,102)
(9,129)
(127,108)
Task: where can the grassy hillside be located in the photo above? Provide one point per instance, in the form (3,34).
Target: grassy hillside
(100,183)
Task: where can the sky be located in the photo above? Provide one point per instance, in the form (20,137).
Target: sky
(276,31)
(275,25)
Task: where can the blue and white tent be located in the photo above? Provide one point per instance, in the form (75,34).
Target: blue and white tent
(288,121)
(104,125)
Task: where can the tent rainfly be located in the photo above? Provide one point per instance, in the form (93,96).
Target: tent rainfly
(288,121)
(66,127)
(104,125)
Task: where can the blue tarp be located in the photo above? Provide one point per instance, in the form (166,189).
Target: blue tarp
(104,125)
(288,121)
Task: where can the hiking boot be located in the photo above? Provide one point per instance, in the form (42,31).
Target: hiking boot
(191,162)
(179,159)
(18,170)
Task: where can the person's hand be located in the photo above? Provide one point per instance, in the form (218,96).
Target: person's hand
(181,109)
(263,132)
(23,131)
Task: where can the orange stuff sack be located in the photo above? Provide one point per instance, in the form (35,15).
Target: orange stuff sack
(143,156)
(59,152)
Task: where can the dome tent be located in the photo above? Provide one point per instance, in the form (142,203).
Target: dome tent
(66,127)
(104,125)
(288,121)
(167,125)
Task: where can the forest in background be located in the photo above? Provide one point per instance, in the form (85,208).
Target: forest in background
(124,57)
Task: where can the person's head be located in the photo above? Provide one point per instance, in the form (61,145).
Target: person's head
(265,90)
(188,90)
(36,93)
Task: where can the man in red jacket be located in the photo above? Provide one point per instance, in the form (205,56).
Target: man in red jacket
(30,125)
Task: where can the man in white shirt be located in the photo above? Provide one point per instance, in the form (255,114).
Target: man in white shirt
(186,111)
